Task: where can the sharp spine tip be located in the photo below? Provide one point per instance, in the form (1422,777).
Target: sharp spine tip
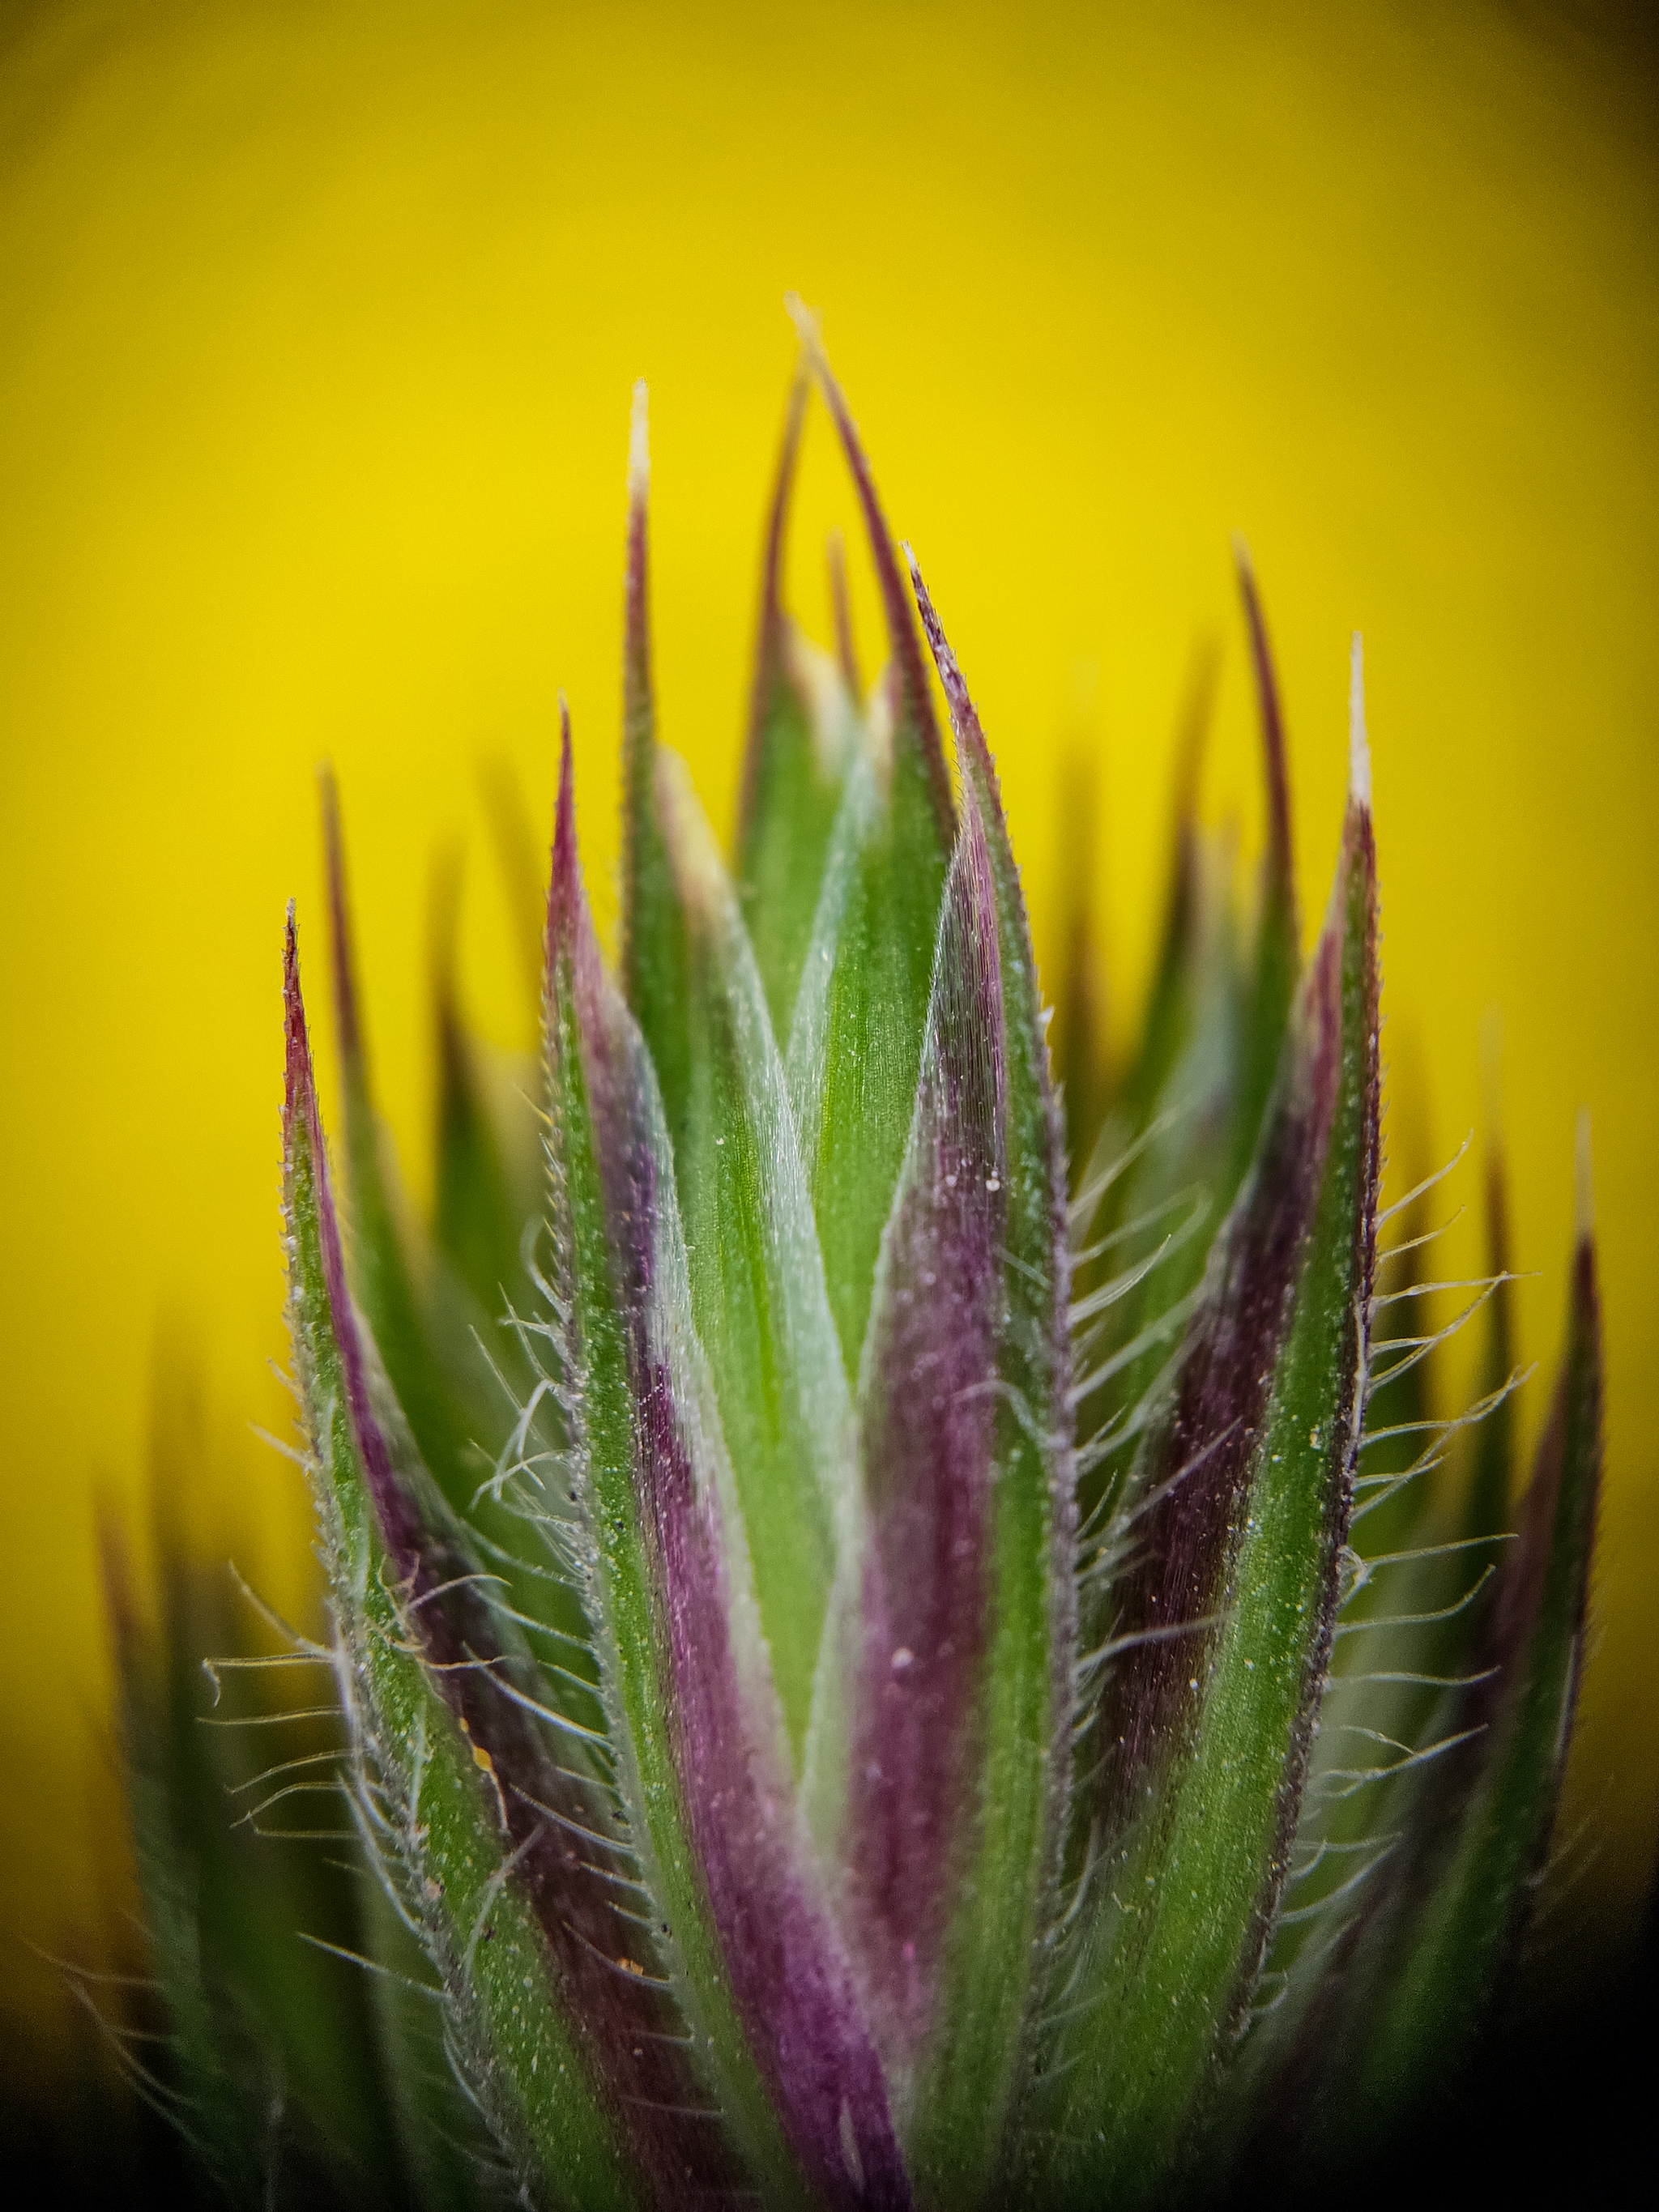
(639,442)
(805,323)
(1359,749)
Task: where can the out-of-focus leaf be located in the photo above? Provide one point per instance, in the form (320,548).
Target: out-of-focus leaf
(267,2063)
(655,957)
(1194,1103)
(1413,1575)
(1480,1828)
(457,1372)
(219,2093)
(1228,1542)
(475,1223)
(1171,1015)
(1277,950)
(1180,1138)
(521,861)
(384,1280)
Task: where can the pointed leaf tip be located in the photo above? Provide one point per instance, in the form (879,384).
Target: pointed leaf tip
(642,916)
(847,659)
(1272,716)
(303,1142)
(300,1094)
(913,702)
(345,986)
(806,326)
(770,645)
(637,608)
(639,443)
(1359,749)
(965,719)
(973,1809)
(565,887)
(1225,1550)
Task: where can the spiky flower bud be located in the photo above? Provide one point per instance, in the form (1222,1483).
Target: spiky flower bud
(865,1678)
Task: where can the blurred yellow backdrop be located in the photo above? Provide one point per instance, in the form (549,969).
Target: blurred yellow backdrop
(317,329)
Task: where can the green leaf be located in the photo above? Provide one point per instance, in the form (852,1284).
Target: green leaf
(268,2061)
(1229,1543)
(450,2158)
(804,729)
(757,1287)
(1414,1578)
(854,1046)
(422,1789)
(1277,959)
(383,1280)
(655,957)
(467,1386)
(1005,1886)
(1482,1821)
(219,2093)
(686,1672)
(1180,1140)
(478,1220)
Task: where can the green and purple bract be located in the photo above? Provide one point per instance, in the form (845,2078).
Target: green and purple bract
(861,1668)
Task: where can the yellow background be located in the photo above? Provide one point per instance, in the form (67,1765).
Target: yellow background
(317,330)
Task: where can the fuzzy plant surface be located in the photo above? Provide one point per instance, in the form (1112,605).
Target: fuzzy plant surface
(886,1646)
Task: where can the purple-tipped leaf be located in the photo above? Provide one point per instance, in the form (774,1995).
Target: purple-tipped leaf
(927,1413)
(803,728)
(1228,1543)
(1479,1827)
(706,1771)
(1004,1902)
(478,1816)
(916,728)
(855,1035)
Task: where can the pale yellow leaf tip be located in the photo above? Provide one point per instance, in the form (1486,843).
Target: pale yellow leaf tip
(639,444)
(805,323)
(1583,1211)
(1359,749)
